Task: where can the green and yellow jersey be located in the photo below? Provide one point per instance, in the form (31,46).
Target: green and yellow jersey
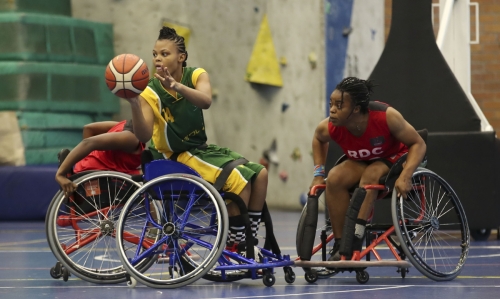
(179,125)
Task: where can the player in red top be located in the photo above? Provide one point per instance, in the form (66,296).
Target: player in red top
(373,136)
(105,146)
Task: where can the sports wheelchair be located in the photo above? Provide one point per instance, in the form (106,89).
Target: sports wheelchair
(176,222)
(80,228)
(172,231)
(429,228)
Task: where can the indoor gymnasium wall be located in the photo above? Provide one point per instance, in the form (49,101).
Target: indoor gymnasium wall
(366,39)
(244,116)
(46,59)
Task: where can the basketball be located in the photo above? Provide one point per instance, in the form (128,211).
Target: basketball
(127,75)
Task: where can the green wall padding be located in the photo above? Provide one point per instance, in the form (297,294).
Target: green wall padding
(46,121)
(34,37)
(104,117)
(47,139)
(58,7)
(51,87)
(40,156)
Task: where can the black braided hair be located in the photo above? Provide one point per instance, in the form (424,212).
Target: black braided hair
(358,89)
(171,34)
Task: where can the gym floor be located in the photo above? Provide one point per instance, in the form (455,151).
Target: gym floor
(25,262)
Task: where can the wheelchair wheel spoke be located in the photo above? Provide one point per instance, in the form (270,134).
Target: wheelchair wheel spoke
(185,213)
(433,227)
(81,229)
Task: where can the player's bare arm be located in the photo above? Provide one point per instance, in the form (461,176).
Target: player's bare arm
(405,133)
(97,128)
(142,118)
(320,142)
(320,148)
(124,141)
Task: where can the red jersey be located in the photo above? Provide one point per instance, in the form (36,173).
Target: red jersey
(112,160)
(375,143)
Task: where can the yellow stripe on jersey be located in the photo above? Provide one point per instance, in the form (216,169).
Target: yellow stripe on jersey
(234,183)
(196,73)
(160,125)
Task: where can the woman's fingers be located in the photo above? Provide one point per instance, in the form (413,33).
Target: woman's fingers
(159,77)
(166,72)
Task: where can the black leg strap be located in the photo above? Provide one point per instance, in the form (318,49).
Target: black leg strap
(226,171)
(244,214)
(270,243)
(350,221)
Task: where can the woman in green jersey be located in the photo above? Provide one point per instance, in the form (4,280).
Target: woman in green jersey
(170,113)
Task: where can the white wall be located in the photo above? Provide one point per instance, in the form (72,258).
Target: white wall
(366,40)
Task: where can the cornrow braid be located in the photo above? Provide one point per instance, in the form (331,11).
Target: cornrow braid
(359,90)
(171,34)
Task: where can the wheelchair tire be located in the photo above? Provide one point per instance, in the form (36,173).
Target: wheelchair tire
(431,226)
(307,239)
(80,229)
(192,230)
(307,228)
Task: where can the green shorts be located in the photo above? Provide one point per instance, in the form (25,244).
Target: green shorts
(209,161)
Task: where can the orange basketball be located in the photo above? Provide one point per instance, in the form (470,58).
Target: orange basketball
(127,75)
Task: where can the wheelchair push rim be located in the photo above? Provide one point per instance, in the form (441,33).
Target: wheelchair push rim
(190,228)
(431,226)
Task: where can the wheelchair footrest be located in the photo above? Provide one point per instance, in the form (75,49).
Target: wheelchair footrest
(352,264)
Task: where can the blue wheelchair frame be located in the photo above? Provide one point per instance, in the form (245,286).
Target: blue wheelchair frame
(228,260)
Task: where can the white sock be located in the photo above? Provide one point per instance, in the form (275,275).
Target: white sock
(359,231)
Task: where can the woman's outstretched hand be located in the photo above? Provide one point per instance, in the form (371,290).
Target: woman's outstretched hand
(166,79)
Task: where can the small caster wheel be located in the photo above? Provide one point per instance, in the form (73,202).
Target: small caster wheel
(289,275)
(131,282)
(54,274)
(311,276)
(65,274)
(268,279)
(55,271)
(362,276)
(403,271)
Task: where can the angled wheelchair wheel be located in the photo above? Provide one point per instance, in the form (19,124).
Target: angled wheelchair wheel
(432,226)
(81,229)
(185,236)
(314,237)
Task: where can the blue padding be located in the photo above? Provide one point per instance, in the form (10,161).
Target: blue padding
(158,168)
(26,191)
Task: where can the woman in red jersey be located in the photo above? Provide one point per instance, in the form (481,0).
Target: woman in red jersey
(105,146)
(373,136)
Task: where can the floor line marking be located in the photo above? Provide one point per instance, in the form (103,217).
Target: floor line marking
(23,242)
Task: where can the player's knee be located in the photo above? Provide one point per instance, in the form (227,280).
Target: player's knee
(369,178)
(245,193)
(261,177)
(336,180)
(263,173)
